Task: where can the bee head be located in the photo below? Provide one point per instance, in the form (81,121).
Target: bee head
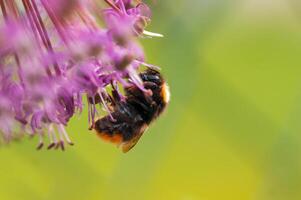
(154,81)
(152,75)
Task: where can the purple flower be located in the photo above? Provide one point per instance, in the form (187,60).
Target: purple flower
(53,53)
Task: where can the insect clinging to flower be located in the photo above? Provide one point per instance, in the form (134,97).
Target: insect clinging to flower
(53,53)
(132,115)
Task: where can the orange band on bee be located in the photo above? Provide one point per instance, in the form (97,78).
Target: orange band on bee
(116,138)
(165,93)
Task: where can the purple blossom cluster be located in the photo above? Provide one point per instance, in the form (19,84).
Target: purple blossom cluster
(53,53)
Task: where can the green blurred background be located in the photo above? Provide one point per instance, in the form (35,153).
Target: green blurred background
(232,130)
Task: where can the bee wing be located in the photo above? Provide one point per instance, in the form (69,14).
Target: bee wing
(128,145)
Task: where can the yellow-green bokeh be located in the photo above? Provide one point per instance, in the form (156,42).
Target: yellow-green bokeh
(231,132)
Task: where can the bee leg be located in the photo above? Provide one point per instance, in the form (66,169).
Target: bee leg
(116,95)
(148,84)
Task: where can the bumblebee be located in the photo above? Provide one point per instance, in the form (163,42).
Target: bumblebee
(131,116)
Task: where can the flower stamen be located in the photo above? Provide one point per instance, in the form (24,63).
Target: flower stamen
(113,6)
(41,141)
(65,134)
(52,137)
